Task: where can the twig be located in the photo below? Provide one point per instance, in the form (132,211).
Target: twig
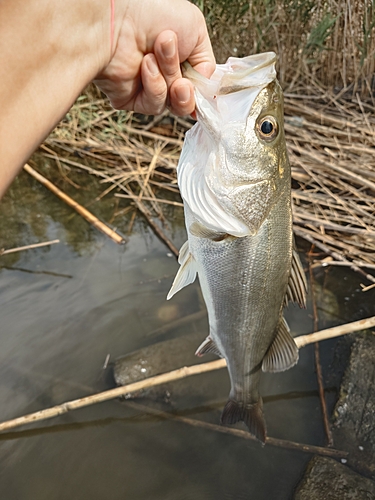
(367,288)
(79,208)
(146,198)
(28,247)
(280,443)
(151,135)
(146,213)
(326,263)
(318,366)
(171,376)
(307,235)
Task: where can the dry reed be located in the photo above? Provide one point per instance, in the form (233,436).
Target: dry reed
(331,143)
(331,41)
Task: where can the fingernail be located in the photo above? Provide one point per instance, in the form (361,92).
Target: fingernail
(168,48)
(183,93)
(152,65)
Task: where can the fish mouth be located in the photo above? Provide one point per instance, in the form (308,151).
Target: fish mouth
(231,83)
(236,74)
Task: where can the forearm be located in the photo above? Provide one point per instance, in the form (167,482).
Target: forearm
(49,51)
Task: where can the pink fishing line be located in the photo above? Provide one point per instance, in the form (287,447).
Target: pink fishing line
(112,23)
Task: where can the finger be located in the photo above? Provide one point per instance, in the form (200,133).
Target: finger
(182,102)
(166,52)
(202,57)
(153,97)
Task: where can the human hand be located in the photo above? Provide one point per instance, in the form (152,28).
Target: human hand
(152,38)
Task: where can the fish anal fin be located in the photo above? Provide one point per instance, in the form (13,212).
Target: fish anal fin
(282,353)
(297,286)
(251,415)
(200,231)
(208,346)
(186,273)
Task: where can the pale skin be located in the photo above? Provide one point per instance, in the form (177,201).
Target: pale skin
(50,50)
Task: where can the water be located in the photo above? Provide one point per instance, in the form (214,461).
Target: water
(64,308)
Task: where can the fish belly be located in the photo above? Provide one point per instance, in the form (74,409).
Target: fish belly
(244,282)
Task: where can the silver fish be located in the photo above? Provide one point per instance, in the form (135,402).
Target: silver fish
(235,181)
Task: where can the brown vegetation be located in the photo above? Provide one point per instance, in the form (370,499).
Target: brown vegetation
(326,62)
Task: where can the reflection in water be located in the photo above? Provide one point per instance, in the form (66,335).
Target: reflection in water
(50,273)
(67,307)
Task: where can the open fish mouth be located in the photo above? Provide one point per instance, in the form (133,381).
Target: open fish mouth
(236,74)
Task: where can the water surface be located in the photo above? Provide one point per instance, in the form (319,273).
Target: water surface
(64,308)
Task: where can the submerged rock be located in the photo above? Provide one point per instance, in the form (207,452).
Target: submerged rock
(156,358)
(160,358)
(326,479)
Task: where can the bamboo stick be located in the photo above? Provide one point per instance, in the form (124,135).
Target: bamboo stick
(28,247)
(336,331)
(111,394)
(181,373)
(79,208)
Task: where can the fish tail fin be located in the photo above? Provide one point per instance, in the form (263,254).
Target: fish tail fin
(251,415)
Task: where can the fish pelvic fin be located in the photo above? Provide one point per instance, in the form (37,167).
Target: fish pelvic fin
(283,352)
(208,346)
(186,273)
(251,415)
(200,231)
(297,285)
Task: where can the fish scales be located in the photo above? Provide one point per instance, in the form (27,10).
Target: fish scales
(237,201)
(240,278)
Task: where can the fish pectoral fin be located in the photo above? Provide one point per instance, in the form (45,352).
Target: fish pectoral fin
(297,285)
(283,352)
(187,272)
(208,346)
(252,415)
(200,231)
(184,252)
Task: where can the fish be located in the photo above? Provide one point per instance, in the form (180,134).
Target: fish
(235,182)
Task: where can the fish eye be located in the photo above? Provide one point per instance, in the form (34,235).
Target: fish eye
(268,128)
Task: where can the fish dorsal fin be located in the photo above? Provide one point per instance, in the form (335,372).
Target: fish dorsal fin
(283,352)
(186,273)
(200,231)
(208,346)
(297,285)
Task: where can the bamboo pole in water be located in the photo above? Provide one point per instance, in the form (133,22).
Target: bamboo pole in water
(77,207)
(280,443)
(183,372)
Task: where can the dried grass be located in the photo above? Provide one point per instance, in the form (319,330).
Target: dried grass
(331,143)
(329,41)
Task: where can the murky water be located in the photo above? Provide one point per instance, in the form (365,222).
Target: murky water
(64,308)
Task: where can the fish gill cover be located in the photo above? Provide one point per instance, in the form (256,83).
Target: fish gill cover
(223,104)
